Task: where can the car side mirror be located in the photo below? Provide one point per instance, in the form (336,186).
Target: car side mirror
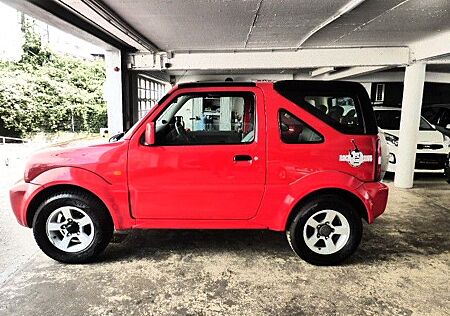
(150,134)
(448,126)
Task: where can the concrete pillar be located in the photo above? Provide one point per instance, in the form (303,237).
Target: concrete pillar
(113,91)
(409,125)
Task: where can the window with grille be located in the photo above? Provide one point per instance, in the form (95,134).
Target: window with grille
(379,92)
(149,92)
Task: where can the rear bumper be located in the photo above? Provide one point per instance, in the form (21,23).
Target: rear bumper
(20,195)
(375,195)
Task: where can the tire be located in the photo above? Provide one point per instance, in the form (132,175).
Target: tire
(72,227)
(336,242)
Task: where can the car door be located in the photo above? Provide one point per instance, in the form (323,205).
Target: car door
(208,162)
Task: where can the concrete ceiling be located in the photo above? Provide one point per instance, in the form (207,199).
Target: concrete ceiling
(281,24)
(344,38)
(387,23)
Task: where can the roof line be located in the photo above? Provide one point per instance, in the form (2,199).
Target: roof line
(200,84)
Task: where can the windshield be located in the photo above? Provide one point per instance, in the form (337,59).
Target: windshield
(390,119)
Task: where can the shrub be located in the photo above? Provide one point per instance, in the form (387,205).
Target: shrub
(47,92)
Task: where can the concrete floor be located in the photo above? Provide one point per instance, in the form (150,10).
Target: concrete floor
(401,268)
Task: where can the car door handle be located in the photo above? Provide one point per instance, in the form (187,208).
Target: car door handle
(242,158)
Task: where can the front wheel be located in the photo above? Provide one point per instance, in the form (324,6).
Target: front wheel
(72,227)
(325,231)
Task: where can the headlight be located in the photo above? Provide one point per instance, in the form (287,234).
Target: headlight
(447,140)
(392,158)
(391,139)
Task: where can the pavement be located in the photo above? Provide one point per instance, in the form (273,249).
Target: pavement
(402,267)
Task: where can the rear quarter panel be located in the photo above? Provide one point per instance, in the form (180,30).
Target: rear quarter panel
(295,170)
(280,199)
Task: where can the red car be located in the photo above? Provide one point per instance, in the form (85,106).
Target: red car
(302,157)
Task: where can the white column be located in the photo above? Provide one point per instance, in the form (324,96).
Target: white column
(409,125)
(113,91)
(225,114)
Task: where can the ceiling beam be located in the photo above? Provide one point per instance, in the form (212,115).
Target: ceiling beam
(431,47)
(353,72)
(304,58)
(444,60)
(399,76)
(58,15)
(321,71)
(103,17)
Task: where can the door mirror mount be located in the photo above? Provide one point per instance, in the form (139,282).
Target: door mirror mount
(149,137)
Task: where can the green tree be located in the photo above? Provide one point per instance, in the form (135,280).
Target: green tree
(47,92)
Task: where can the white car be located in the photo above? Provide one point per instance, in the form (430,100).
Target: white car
(432,148)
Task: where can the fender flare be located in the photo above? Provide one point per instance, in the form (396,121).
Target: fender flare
(322,182)
(276,217)
(113,196)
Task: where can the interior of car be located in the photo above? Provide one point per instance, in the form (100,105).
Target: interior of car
(199,119)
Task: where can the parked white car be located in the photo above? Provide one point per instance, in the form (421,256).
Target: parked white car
(432,149)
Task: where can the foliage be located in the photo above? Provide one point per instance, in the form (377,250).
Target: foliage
(47,92)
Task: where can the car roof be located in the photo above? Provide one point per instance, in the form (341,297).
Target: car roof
(201,84)
(386,108)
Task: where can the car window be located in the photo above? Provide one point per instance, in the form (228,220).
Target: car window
(208,118)
(345,106)
(390,120)
(295,131)
(445,118)
(341,110)
(431,114)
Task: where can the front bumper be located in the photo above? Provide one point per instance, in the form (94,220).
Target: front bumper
(20,195)
(375,195)
(427,161)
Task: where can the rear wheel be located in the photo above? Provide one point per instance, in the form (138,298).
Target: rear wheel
(325,231)
(72,227)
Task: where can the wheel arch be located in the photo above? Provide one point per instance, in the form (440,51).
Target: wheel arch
(58,188)
(349,196)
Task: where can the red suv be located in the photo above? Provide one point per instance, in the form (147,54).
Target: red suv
(296,156)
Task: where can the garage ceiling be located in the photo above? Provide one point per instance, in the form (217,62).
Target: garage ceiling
(347,38)
(387,23)
(281,24)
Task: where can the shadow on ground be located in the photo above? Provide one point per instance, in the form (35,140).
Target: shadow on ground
(391,237)
(163,243)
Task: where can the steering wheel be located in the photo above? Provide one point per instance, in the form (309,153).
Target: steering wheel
(181,132)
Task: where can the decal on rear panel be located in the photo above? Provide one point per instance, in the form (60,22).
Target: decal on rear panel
(355,157)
